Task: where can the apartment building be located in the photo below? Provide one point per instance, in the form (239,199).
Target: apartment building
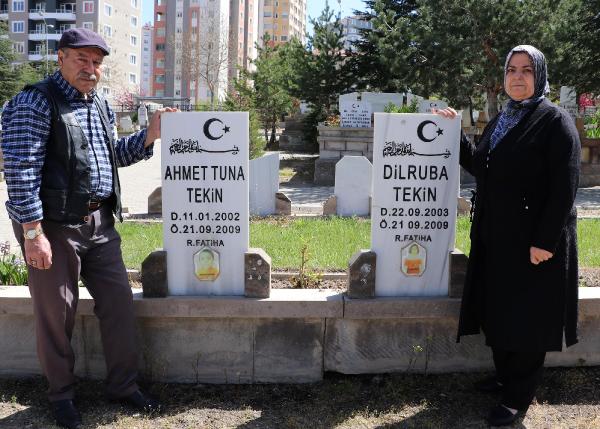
(243,35)
(353,25)
(282,20)
(191,55)
(35,27)
(146,66)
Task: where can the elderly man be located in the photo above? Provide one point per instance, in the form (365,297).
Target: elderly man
(61,160)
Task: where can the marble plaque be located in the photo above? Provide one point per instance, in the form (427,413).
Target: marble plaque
(415,186)
(205,201)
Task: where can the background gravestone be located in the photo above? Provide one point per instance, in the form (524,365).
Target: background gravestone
(155,201)
(355,115)
(126,124)
(425,106)
(353,175)
(264,184)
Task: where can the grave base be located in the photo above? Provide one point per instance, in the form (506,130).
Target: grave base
(292,337)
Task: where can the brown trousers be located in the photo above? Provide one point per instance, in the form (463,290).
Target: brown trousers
(92,251)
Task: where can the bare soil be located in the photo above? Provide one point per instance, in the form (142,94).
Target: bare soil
(567,398)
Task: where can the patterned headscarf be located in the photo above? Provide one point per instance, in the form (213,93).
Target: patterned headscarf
(516,110)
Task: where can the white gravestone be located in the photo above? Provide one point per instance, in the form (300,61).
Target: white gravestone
(353,176)
(264,184)
(142,116)
(415,185)
(205,201)
(377,100)
(355,115)
(568,95)
(425,106)
(126,124)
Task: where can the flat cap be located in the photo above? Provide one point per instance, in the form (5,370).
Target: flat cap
(82,38)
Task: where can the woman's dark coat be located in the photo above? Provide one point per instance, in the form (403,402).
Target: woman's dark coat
(525,197)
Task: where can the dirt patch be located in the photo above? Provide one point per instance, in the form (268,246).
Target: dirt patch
(567,398)
(297,171)
(589,277)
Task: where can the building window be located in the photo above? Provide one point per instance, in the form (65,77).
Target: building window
(88,25)
(160,32)
(132,78)
(284,38)
(18,47)
(132,59)
(107,30)
(133,40)
(106,72)
(105,91)
(134,3)
(159,93)
(18,5)
(159,17)
(107,9)
(160,47)
(88,7)
(134,21)
(160,78)
(160,63)
(18,27)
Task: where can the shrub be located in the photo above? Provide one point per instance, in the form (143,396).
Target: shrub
(12,269)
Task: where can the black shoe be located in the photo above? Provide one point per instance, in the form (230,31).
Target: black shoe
(142,402)
(489,385)
(66,414)
(501,416)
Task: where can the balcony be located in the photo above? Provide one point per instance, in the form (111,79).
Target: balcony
(40,55)
(41,35)
(61,14)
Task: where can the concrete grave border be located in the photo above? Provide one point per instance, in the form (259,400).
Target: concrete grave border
(293,336)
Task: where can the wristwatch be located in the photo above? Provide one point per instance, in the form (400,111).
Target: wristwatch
(30,234)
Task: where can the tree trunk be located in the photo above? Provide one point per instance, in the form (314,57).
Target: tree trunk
(492,99)
(471,121)
(271,144)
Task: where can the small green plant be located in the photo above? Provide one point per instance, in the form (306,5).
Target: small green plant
(12,269)
(413,107)
(592,125)
(416,351)
(306,278)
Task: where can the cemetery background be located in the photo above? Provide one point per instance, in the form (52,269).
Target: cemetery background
(327,103)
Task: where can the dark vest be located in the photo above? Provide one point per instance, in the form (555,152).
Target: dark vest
(65,188)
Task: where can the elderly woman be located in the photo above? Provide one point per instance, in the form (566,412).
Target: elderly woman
(521,284)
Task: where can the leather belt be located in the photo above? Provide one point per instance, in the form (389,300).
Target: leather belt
(95,205)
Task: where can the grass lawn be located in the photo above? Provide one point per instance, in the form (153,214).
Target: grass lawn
(331,241)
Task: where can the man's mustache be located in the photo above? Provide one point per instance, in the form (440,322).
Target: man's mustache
(88,76)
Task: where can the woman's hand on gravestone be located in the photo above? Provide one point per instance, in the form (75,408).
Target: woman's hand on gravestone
(448,112)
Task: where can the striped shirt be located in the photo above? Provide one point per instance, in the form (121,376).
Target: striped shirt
(25,131)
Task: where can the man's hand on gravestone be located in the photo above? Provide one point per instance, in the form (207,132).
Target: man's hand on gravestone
(153,130)
(537,255)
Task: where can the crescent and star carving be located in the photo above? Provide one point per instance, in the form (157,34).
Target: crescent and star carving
(421,128)
(207,132)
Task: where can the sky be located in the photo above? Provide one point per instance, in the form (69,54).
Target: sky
(314,8)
